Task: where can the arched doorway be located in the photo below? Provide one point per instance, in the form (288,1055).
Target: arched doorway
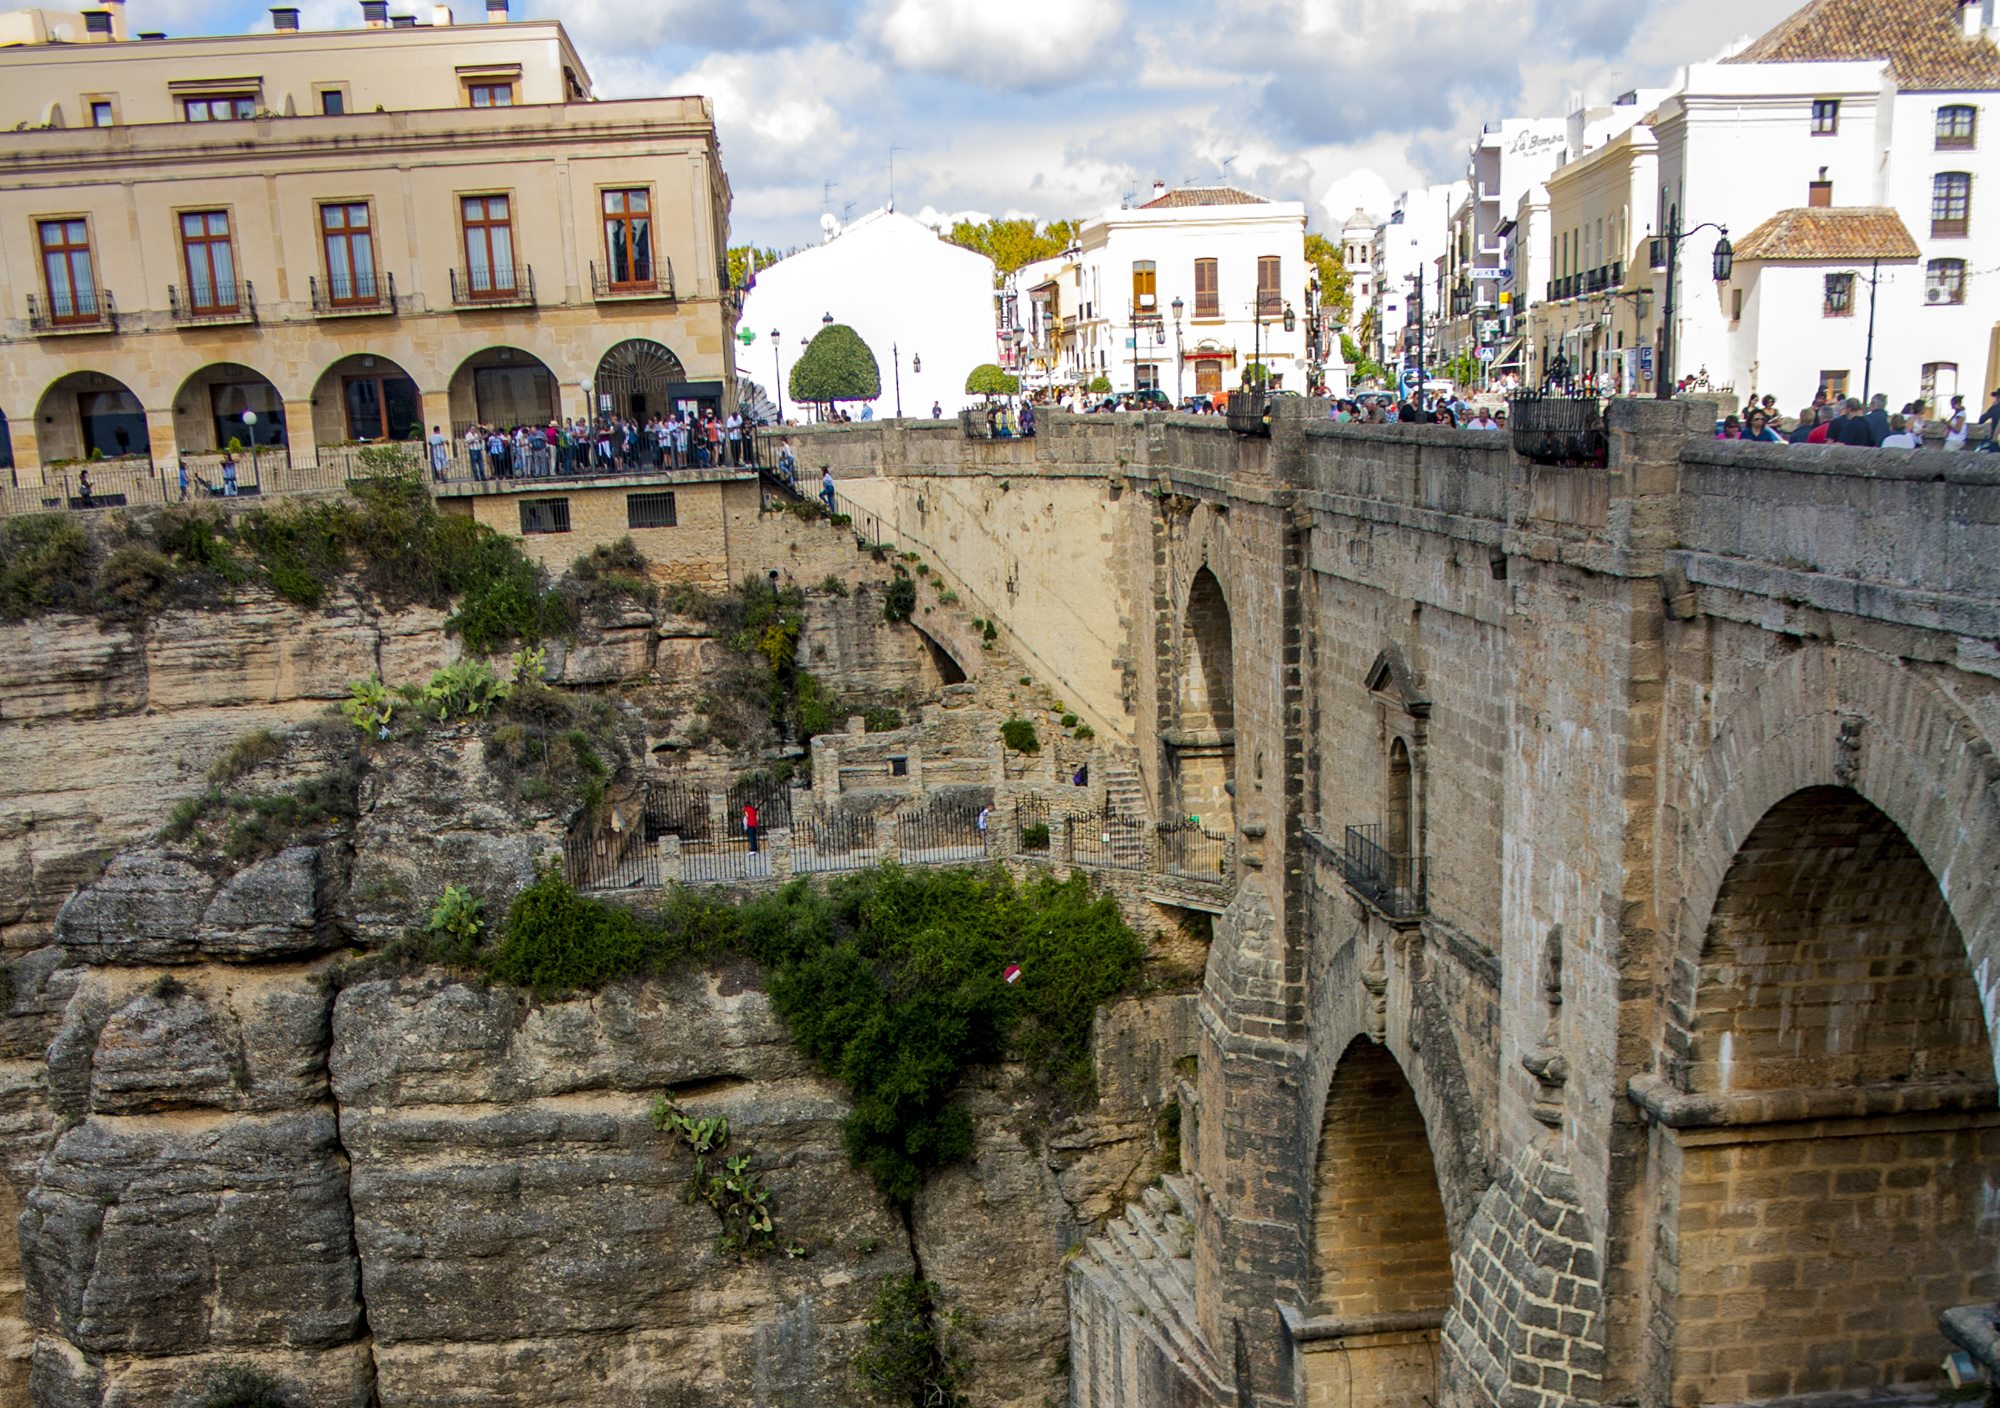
(366,397)
(6,443)
(210,405)
(1203,738)
(640,378)
(1828,1192)
(503,386)
(87,415)
(1381,1254)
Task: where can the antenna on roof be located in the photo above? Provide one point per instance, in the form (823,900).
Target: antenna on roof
(827,189)
(1225,166)
(892,174)
(846,212)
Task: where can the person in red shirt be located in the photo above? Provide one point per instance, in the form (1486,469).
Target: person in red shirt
(1818,434)
(750,825)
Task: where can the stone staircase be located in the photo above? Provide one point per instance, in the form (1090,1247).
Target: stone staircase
(1124,794)
(1136,1281)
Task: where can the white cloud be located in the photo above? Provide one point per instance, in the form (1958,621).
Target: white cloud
(1023,44)
(773,109)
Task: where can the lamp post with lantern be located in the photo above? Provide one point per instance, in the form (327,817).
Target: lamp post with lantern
(1666,252)
(1180,356)
(250,428)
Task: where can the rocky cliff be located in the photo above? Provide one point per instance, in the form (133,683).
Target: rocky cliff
(232,1138)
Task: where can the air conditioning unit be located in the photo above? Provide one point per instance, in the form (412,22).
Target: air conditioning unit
(1933,295)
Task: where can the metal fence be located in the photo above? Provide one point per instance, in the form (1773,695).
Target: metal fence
(1395,884)
(1104,839)
(1187,849)
(944,834)
(829,839)
(724,860)
(673,808)
(597,858)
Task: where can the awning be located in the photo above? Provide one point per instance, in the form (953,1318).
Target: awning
(1510,355)
(1208,354)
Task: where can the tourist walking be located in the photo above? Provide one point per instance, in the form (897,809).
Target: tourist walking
(229,476)
(439,455)
(826,486)
(83,489)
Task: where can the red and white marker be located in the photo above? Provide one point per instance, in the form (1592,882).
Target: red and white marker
(1012,973)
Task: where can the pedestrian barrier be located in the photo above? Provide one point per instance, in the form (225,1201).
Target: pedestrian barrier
(827,839)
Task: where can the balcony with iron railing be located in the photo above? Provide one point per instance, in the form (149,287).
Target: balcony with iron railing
(214,304)
(493,288)
(604,288)
(86,310)
(1394,884)
(353,295)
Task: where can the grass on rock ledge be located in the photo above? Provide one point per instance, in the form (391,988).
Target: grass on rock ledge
(891,981)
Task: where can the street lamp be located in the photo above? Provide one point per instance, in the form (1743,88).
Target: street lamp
(826,319)
(1667,250)
(1180,356)
(778,371)
(250,427)
(896,362)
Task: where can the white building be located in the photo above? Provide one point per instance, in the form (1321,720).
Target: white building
(923,305)
(1509,156)
(1847,103)
(1184,292)
(1595,305)
(1411,242)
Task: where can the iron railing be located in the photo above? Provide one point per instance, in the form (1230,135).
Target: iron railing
(828,839)
(674,808)
(597,858)
(1188,849)
(493,288)
(1249,413)
(604,288)
(1105,840)
(218,303)
(352,296)
(1394,884)
(81,310)
(1560,429)
(944,833)
(772,801)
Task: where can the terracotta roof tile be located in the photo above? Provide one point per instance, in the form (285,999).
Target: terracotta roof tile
(1819,235)
(1921,39)
(1203,195)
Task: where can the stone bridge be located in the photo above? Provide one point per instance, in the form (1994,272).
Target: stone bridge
(1605,1013)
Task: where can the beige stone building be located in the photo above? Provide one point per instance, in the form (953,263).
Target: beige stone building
(349,234)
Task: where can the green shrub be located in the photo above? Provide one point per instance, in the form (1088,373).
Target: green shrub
(1020,735)
(912,1355)
(1035,836)
(883,720)
(246,754)
(551,747)
(990,632)
(456,923)
(899,598)
(614,572)
(740,1198)
(1069,720)
(45,565)
(832,585)
(1084,733)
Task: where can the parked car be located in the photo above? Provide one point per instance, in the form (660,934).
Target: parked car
(1148,398)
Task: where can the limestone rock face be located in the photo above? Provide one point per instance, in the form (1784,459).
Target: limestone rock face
(620,648)
(275,908)
(521,1225)
(146,909)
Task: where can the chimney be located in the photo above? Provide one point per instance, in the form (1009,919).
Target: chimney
(1971,17)
(118,27)
(375,14)
(152,34)
(440,17)
(402,21)
(496,11)
(284,19)
(1159,189)
(97,26)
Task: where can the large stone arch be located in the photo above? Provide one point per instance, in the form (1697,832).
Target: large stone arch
(1201,739)
(504,386)
(640,377)
(1827,716)
(209,406)
(365,396)
(82,413)
(1380,1279)
(1821,1159)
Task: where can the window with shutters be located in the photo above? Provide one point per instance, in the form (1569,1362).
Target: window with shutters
(1957,128)
(1207,289)
(1826,117)
(68,272)
(628,237)
(348,239)
(1145,286)
(1944,282)
(219,107)
(1839,301)
(489,245)
(210,261)
(1270,302)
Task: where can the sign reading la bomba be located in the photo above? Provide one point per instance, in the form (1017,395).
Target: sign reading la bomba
(1528,143)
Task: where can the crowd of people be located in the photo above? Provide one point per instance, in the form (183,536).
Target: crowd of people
(612,445)
(1832,420)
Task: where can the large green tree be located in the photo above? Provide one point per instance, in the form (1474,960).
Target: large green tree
(1012,243)
(836,366)
(739,261)
(1334,281)
(987,379)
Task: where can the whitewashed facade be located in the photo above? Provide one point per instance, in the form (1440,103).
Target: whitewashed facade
(924,306)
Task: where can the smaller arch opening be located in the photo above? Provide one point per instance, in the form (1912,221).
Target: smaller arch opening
(1398,815)
(87,415)
(366,397)
(504,387)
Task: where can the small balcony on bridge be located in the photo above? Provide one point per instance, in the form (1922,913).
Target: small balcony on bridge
(1394,884)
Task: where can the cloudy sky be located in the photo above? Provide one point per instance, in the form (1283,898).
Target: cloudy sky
(1060,107)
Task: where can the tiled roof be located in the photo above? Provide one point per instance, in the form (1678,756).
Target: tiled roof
(1203,195)
(1921,39)
(1839,234)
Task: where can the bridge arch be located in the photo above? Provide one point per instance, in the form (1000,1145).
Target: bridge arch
(1381,1261)
(1202,738)
(1825,1173)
